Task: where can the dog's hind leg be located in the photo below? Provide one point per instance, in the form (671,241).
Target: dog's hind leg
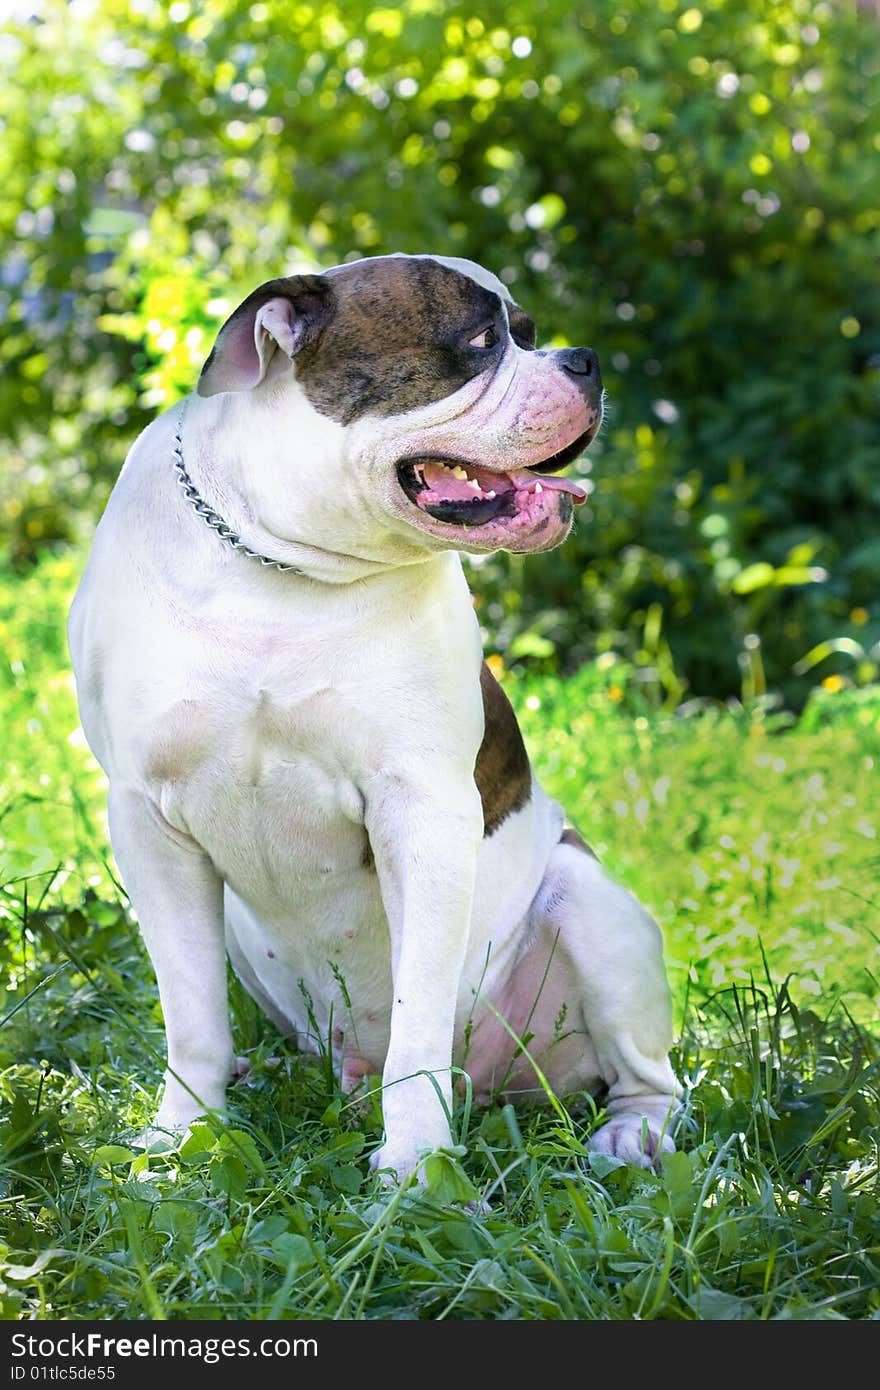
(607,961)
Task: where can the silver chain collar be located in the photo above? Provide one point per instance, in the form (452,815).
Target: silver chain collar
(214,519)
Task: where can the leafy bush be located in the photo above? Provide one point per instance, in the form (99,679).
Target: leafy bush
(690,189)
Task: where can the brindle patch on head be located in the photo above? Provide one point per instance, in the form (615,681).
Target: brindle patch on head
(399,337)
(502,772)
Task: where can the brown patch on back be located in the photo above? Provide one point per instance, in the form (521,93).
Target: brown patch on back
(570,836)
(502,772)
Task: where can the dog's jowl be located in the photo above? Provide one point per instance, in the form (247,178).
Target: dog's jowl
(310,769)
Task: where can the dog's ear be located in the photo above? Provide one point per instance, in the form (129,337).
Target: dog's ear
(265,333)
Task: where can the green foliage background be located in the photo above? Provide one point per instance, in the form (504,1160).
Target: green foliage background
(692,190)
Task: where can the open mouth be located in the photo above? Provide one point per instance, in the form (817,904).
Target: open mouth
(466,494)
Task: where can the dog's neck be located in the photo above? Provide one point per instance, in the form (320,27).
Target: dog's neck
(212,519)
(313,527)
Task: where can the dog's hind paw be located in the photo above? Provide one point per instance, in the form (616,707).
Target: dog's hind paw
(635,1139)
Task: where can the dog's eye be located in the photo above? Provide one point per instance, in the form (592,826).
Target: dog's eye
(486,339)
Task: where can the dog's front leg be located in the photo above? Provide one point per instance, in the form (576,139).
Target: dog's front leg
(178,898)
(425,836)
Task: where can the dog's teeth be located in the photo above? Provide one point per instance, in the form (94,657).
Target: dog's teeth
(538,487)
(459,472)
(489,496)
(472,482)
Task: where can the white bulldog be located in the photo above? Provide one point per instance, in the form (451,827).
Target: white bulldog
(310,768)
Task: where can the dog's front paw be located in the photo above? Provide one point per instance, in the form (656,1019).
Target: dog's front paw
(159,1139)
(403,1156)
(636,1139)
(395,1163)
(174,1119)
(415,1125)
(181,1105)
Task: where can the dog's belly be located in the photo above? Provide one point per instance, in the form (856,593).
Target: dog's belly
(321,969)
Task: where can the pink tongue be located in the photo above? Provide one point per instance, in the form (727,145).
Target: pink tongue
(523,478)
(443,483)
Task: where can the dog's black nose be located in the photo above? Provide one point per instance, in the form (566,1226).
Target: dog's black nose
(580,361)
(582,365)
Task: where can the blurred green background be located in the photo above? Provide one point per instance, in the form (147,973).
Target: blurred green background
(691,189)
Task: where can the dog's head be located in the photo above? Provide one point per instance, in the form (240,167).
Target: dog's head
(418,380)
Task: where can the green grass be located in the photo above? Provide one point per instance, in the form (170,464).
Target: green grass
(754,842)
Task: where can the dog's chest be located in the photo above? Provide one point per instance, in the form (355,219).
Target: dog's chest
(264,777)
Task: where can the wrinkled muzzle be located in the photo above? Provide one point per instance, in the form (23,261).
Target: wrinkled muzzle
(487,479)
